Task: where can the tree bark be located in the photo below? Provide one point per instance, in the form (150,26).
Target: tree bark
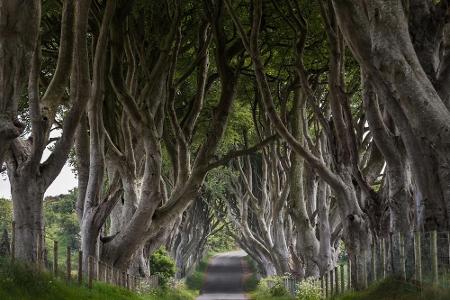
(379,37)
(19,32)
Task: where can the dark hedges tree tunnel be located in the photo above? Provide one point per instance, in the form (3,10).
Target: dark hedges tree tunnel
(292,129)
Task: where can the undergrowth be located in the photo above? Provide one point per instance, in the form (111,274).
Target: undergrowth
(18,282)
(251,282)
(195,280)
(392,289)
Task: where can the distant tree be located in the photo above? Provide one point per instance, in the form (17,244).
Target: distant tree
(6,214)
(61,222)
(5,249)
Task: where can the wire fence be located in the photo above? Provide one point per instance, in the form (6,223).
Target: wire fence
(68,264)
(419,258)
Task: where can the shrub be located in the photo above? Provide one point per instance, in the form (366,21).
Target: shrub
(308,289)
(273,286)
(162,265)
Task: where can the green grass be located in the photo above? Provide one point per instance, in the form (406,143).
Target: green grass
(259,295)
(391,289)
(197,278)
(251,283)
(18,282)
(171,294)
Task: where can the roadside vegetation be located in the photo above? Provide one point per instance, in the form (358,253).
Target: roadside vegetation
(195,280)
(19,282)
(251,278)
(391,289)
(270,288)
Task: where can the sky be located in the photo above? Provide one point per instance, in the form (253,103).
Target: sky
(65,181)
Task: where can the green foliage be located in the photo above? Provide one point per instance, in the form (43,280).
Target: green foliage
(309,289)
(273,286)
(6,214)
(261,295)
(195,280)
(170,294)
(18,282)
(61,221)
(221,241)
(391,289)
(251,282)
(162,265)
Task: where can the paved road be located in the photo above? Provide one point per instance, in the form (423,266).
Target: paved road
(224,277)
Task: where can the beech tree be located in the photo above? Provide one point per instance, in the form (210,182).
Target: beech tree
(402,49)
(190,237)
(21,60)
(146,88)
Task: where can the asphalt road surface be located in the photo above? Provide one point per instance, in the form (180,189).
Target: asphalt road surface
(224,277)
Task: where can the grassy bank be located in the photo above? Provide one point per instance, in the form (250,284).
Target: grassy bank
(251,279)
(197,278)
(257,291)
(392,289)
(20,283)
(258,295)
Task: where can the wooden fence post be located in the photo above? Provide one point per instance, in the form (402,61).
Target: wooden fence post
(90,271)
(118,277)
(322,285)
(448,253)
(105,269)
(13,240)
(349,275)
(38,252)
(364,272)
(109,277)
(401,243)
(336,280)
(383,259)
(128,281)
(80,267)
(327,276)
(434,257)
(68,265)
(332,290)
(97,273)
(418,256)
(342,279)
(374,262)
(55,258)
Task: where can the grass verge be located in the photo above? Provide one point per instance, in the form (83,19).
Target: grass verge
(251,279)
(18,282)
(195,280)
(392,289)
(260,295)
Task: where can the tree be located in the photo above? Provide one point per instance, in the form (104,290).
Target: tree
(29,177)
(398,52)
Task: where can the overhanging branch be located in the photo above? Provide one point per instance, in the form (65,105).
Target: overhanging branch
(233,154)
